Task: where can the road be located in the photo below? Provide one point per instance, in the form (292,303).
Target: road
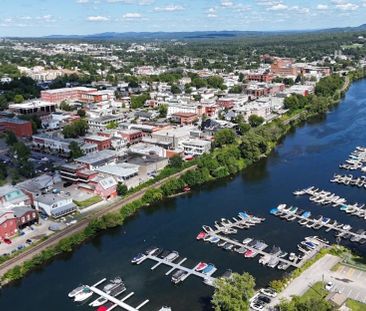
(81,225)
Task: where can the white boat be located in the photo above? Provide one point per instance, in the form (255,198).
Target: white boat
(76,291)
(172,256)
(165,308)
(83,295)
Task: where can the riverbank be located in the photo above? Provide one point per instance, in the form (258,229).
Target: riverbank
(227,159)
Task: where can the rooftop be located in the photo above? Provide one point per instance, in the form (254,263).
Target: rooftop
(119,169)
(96,157)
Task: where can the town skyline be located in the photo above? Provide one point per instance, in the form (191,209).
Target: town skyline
(38,18)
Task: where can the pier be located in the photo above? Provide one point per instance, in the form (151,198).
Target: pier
(207,278)
(342,230)
(349,180)
(116,302)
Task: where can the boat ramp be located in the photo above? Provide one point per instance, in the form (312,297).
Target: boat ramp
(291,213)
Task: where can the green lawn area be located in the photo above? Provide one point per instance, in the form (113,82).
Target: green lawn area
(315,291)
(88,202)
(355,305)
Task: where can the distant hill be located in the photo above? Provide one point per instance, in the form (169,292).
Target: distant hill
(194,35)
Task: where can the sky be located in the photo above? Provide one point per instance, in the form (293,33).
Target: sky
(49,17)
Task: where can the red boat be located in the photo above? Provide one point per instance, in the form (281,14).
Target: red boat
(201,266)
(249,253)
(102,308)
(186,189)
(201,235)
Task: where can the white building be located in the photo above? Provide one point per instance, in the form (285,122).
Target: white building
(55,205)
(120,171)
(195,147)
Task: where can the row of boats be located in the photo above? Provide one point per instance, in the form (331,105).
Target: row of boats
(328,198)
(349,180)
(291,213)
(113,288)
(206,269)
(356,160)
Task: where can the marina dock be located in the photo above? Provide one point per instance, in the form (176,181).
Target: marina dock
(303,217)
(207,278)
(116,302)
(349,180)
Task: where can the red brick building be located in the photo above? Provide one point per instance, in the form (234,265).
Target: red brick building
(260,77)
(20,128)
(226,103)
(25,216)
(132,136)
(102,142)
(184,117)
(8,224)
(72,93)
(284,67)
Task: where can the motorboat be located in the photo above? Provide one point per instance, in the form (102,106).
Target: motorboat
(157,252)
(292,257)
(207,238)
(76,291)
(240,250)
(172,256)
(201,235)
(207,229)
(214,240)
(165,308)
(273,262)
(299,192)
(83,295)
(117,289)
(164,254)
(264,259)
(112,284)
(228,247)
(201,266)
(151,250)
(210,269)
(250,253)
(178,276)
(347,227)
(247,240)
(138,257)
(221,244)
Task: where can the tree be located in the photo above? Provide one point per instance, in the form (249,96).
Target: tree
(255,120)
(81,113)
(224,137)
(121,189)
(18,98)
(64,105)
(112,125)
(176,161)
(163,111)
(75,150)
(75,129)
(234,293)
(138,101)
(236,89)
(10,138)
(175,89)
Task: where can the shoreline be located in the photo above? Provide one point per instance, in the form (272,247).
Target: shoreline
(104,219)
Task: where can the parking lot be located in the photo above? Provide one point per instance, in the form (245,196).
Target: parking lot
(38,232)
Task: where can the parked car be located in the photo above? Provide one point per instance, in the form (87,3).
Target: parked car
(7,241)
(329,286)
(29,241)
(268,292)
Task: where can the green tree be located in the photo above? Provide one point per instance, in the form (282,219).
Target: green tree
(234,293)
(122,189)
(75,150)
(112,125)
(64,105)
(175,89)
(255,120)
(10,138)
(18,98)
(224,137)
(163,111)
(81,113)
(75,129)
(176,161)
(138,101)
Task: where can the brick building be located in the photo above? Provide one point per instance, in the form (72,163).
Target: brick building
(102,142)
(8,224)
(132,136)
(184,118)
(284,67)
(72,93)
(21,128)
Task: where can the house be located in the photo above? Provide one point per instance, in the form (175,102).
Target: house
(8,223)
(55,205)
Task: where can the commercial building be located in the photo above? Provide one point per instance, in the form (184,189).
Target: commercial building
(21,128)
(101,123)
(97,159)
(184,118)
(26,216)
(260,76)
(102,142)
(10,197)
(172,137)
(132,136)
(72,93)
(34,107)
(120,171)
(195,147)
(55,205)
(8,224)
(284,67)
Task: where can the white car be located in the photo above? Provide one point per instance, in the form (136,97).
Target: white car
(329,286)
(257,305)
(268,292)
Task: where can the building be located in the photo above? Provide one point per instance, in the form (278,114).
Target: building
(148,149)
(101,123)
(184,118)
(35,107)
(55,205)
(11,197)
(120,171)
(21,128)
(195,147)
(225,103)
(8,224)
(148,165)
(97,159)
(102,142)
(96,96)
(132,136)
(180,107)
(76,173)
(72,93)
(172,137)
(106,187)
(284,67)
(25,216)
(260,76)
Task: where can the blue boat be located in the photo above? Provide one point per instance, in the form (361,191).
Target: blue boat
(306,214)
(274,211)
(138,257)
(243,215)
(210,267)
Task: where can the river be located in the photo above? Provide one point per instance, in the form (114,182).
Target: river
(308,156)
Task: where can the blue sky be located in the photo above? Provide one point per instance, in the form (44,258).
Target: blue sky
(45,17)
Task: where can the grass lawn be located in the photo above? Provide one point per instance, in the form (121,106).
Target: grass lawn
(355,305)
(88,202)
(315,291)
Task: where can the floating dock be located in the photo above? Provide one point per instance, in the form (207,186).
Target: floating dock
(342,230)
(207,278)
(116,302)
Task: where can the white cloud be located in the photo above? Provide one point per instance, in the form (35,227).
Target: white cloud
(169,8)
(322,7)
(278,7)
(82,1)
(344,5)
(132,16)
(97,18)
(227,3)
(140,2)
